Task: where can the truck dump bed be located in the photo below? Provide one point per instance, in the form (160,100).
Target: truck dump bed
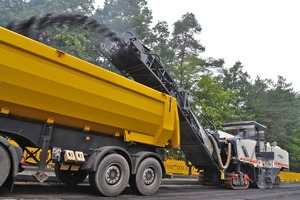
(40,83)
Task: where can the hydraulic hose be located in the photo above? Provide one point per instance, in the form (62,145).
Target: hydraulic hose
(216,148)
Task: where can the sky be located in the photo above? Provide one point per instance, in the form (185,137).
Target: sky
(264,35)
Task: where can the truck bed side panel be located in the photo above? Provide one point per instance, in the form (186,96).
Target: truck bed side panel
(38,82)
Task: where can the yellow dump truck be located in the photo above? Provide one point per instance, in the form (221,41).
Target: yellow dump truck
(108,127)
(53,99)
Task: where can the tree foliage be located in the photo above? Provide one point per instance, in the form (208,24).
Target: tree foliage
(133,15)
(186,48)
(160,43)
(213,100)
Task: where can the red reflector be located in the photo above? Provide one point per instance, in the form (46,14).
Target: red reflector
(246,177)
(23,160)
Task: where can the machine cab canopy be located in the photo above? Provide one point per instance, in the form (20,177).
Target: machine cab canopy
(246,129)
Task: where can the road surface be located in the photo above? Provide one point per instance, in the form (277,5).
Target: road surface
(57,191)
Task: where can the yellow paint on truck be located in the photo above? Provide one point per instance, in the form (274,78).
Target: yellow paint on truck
(41,83)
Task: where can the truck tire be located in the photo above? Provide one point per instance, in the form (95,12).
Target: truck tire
(148,177)
(70,177)
(5,164)
(111,176)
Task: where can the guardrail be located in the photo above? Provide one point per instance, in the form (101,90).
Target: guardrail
(289,176)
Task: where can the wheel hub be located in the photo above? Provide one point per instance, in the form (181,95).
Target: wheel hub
(113,175)
(148,176)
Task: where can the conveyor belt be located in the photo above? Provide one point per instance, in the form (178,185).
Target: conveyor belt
(138,62)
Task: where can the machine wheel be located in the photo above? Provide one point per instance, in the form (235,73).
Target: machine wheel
(209,178)
(277,181)
(263,185)
(148,177)
(234,181)
(201,179)
(264,179)
(5,164)
(111,176)
(70,177)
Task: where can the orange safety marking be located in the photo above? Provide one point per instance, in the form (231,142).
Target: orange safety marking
(281,164)
(249,160)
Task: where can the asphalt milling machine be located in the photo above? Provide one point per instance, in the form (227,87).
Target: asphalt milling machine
(235,161)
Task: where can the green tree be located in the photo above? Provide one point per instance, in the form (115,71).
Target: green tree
(186,49)
(189,72)
(9,8)
(74,43)
(257,96)
(277,106)
(42,7)
(122,16)
(293,147)
(213,100)
(239,82)
(160,43)
(71,39)
(279,111)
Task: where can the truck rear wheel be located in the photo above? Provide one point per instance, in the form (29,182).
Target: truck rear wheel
(70,177)
(148,177)
(111,176)
(5,164)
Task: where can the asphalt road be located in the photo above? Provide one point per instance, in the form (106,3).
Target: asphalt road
(56,191)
